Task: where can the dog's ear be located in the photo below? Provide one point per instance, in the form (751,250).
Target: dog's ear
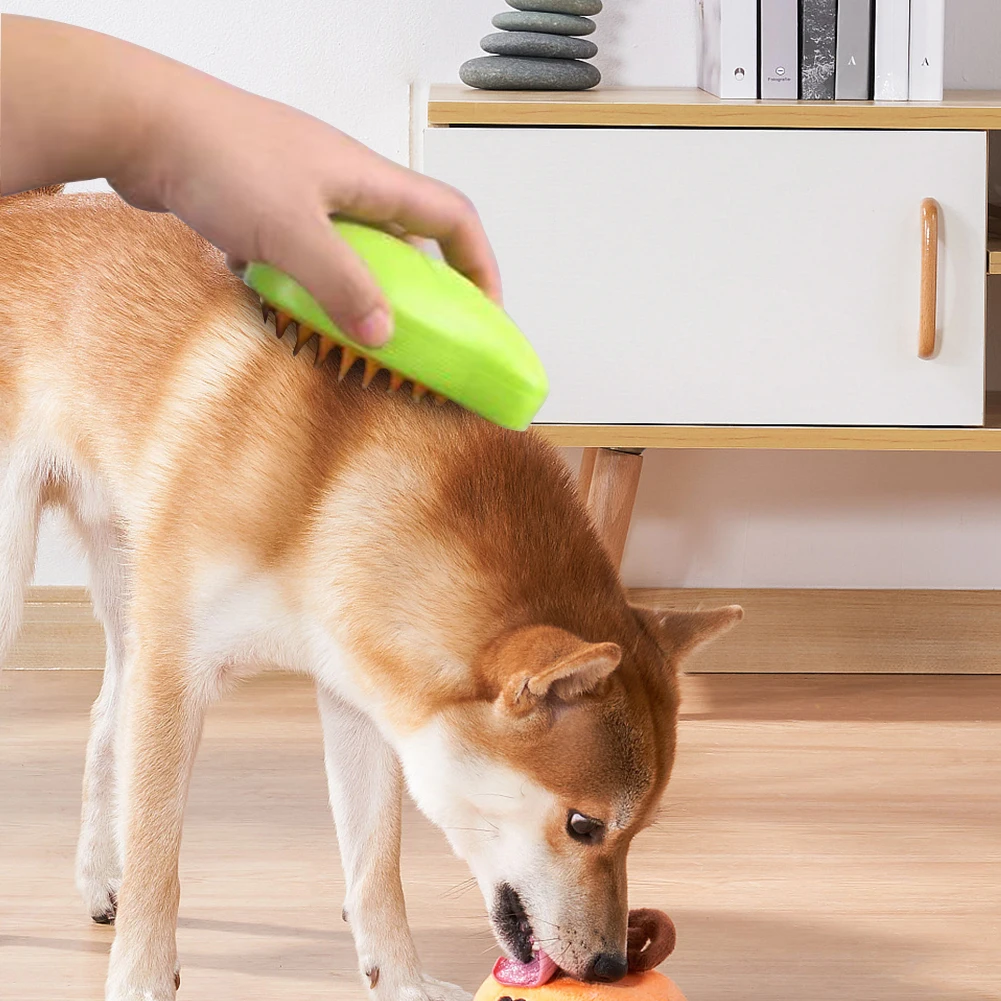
(541,664)
(681,633)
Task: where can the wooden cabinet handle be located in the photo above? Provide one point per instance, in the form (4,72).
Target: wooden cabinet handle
(929,278)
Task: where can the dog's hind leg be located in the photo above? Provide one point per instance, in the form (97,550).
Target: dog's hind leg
(21,485)
(98,858)
(366,786)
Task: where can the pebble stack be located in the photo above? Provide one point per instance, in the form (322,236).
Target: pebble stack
(539,47)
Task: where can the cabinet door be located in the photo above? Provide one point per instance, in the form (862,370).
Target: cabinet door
(731,276)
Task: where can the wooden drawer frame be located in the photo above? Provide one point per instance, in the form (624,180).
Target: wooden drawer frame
(610,469)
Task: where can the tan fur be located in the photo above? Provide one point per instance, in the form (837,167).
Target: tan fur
(450,559)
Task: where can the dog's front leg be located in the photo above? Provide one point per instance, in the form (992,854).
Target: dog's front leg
(163,721)
(366,788)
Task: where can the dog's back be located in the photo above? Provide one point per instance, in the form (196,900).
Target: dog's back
(138,377)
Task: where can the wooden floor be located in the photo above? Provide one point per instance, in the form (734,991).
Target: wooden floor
(824,839)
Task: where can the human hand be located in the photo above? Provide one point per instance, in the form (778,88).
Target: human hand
(260,179)
(255,177)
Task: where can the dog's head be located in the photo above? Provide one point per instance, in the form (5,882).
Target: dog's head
(542,782)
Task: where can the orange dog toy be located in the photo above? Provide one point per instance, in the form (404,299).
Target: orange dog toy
(651,940)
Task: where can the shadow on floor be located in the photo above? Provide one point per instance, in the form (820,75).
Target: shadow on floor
(757,957)
(761,957)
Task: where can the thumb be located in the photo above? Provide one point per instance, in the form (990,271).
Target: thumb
(319,260)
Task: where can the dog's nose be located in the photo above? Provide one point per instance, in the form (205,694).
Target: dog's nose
(606,968)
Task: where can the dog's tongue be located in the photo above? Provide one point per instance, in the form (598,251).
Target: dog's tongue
(511,973)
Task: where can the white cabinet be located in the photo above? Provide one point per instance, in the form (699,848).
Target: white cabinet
(734,276)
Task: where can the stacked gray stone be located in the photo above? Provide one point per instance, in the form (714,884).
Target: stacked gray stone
(538,48)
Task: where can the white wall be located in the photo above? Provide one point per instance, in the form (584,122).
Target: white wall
(702,518)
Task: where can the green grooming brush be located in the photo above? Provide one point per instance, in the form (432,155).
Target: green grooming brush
(448,337)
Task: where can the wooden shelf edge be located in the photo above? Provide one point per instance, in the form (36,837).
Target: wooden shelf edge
(994,256)
(889,439)
(454,104)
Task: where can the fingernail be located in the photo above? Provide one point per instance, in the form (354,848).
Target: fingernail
(376,328)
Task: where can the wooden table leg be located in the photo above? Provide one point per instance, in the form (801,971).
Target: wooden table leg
(586,471)
(611,491)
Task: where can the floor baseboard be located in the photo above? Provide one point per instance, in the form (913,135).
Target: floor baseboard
(819,631)
(59,632)
(786,631)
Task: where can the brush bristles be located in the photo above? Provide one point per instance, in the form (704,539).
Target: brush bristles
(371,368)
(302,337)
(282,320)
(324,346)
(348,358)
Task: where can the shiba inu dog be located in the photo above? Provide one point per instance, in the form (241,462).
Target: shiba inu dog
(438,577)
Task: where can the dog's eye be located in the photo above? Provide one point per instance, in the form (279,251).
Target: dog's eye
(583,828)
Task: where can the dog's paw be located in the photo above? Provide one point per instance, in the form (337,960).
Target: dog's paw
(101,901)
(136,993)
(383,986)
(429,989)
(98,877)
(165,991)
(129,982)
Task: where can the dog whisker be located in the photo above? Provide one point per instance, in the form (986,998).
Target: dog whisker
(558,960)
(487,820)
(459,888)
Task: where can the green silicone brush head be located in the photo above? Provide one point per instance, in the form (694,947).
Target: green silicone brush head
(448,337)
